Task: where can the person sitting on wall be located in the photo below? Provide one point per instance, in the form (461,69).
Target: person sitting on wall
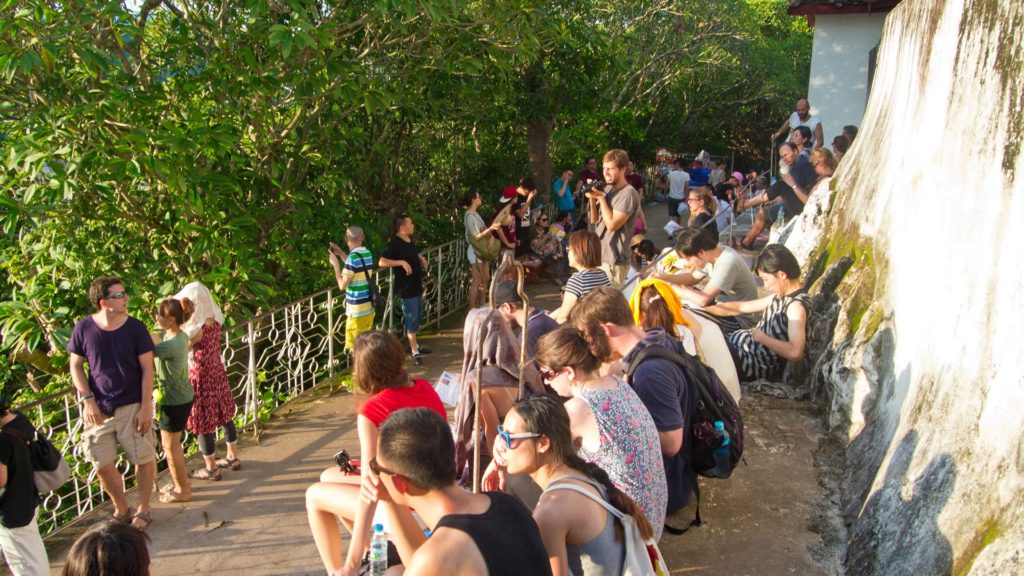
(781,333)
(798,179)
(729,279)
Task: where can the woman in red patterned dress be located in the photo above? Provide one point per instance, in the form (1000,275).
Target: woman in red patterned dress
(214,406)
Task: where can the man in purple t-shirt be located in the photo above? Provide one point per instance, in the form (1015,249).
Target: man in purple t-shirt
(117,395)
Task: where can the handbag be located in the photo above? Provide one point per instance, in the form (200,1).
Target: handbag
(49,468)
(642,558)
(371,282)
(486,248)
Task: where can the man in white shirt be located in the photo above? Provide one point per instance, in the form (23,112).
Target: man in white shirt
(801,117)
(678,187)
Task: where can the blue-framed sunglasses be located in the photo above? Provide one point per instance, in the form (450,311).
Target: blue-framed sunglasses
(509,437)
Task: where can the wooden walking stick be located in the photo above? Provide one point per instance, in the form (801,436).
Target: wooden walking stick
(507,261)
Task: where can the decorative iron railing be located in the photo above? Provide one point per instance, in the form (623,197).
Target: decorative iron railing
(271,359)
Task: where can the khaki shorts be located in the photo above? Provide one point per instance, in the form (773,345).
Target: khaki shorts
(356,326)
(99,442)
(616,273)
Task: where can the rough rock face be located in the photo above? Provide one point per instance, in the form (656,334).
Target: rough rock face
(923,376)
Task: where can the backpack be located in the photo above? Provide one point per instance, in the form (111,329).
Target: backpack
(49,468)
(376,300)
(486,248)
(711,402)
(642,558)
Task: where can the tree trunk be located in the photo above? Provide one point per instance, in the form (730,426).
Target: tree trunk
(538,142)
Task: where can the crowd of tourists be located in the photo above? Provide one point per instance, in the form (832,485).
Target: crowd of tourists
(593,434)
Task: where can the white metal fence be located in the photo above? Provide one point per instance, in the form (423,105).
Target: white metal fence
(270,359)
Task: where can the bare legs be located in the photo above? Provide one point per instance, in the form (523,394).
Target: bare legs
(480,276)
(494,404)
(182,490)
(326,501)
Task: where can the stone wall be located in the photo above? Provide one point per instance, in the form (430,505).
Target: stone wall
(923,378)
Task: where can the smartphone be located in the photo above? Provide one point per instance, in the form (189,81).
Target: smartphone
(334,249)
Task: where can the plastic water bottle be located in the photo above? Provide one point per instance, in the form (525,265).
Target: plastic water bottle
(378,551)
(722,452)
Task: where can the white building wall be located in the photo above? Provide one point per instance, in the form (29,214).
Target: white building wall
(838,87)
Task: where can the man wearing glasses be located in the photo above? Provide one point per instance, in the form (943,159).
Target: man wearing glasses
(489,533)
(116,397)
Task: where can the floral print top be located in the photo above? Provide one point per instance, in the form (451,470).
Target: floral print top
(630,451)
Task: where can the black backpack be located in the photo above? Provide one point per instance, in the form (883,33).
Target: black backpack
(711,402)
(376,300)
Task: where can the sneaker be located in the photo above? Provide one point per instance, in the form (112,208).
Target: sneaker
(423,350)
(417,359)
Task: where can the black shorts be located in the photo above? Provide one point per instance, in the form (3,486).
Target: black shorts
(174,417)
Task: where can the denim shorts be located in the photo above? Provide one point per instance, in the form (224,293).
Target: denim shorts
(412,313)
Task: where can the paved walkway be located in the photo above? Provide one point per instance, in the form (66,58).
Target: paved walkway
(254,522)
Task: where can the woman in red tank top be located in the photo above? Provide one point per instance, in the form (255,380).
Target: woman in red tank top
(377,360)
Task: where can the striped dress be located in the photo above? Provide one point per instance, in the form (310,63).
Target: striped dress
(755,359)
(582,282)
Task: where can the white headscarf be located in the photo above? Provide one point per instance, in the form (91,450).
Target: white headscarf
(205,307)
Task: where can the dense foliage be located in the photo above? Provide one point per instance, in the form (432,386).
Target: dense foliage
(173,140)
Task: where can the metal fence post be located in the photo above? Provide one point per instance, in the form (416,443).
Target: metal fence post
(330,334)
(251,377)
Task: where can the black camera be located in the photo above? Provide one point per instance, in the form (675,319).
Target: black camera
(344,462)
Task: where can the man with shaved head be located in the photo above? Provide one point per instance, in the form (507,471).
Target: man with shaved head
(354,279)
(801,117)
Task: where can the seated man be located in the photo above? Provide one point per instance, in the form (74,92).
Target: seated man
(729,279)
(537,321)
(489,533)
(794,189)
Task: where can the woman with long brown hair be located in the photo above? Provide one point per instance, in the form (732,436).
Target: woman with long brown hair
(378,370)
(581,537)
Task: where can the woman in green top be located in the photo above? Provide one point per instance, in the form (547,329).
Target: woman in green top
(175,392)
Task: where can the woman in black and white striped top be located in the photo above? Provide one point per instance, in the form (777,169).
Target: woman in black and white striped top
(585,256)
(780,335)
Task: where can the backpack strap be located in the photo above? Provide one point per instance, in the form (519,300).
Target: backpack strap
(619,514)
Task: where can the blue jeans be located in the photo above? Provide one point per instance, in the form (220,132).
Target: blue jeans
(412,313)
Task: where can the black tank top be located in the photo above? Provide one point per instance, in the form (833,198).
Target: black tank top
(506,536)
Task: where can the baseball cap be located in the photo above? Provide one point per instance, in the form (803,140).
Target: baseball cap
(738,176)
(508,194)
(636,239)
(504,292)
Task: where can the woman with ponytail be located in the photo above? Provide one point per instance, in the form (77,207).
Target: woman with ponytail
(609,423)
(176,394)
(581,537)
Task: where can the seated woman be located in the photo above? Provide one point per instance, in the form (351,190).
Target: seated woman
(377,360)
(579,534)
(702,211)
(585,256)
(656,305)
(780,335)
(610,424)
(548,247)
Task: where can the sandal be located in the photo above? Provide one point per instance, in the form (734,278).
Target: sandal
(125,518)
(205,474)
(234,464)
(143,517)
(173,498)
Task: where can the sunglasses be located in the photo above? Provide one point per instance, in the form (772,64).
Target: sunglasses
(547,375)
(377,469)
(509,437)
(116,295)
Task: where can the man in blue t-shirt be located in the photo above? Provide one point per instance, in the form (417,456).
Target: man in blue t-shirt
(604,316)
(117,395)
(562,191)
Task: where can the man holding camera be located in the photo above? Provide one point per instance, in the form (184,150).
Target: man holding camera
(614,209)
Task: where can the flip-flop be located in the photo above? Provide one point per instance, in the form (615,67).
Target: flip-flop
(204,474)
(173,498)
(143,517)
(226,464)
